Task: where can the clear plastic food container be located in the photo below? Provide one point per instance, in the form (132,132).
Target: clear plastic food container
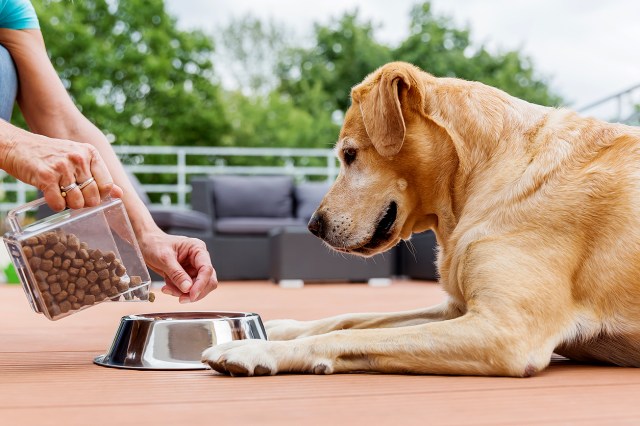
(76,259)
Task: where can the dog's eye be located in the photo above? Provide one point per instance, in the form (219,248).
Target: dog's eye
(349,155)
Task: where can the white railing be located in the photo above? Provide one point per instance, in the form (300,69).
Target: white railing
(621,107)
(179,161)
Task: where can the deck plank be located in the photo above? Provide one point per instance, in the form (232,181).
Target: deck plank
(47,377)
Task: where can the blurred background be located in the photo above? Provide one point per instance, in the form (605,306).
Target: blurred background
(277,73)
(186,88)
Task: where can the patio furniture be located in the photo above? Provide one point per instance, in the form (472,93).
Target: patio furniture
(243,211)
(417,257)
(259,232)
(296,255)
(173,220)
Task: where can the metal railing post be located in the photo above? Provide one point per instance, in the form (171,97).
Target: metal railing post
(331,166)
(182,178)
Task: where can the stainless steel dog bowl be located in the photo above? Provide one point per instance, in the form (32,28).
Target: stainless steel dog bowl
(175,341)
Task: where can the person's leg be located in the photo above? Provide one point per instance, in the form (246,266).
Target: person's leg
(8,84)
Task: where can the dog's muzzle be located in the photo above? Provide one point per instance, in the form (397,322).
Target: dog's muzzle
(384,227)
(316,225)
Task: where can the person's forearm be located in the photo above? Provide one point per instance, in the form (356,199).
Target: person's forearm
(8,135)
(49,111)
(70,124)
(141,220)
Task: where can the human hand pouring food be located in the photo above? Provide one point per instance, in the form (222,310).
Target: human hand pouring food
(74,259)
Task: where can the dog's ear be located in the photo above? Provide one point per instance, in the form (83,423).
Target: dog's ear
(381,110)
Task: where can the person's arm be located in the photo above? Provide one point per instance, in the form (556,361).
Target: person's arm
(48,110)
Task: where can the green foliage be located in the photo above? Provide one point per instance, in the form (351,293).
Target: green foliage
(275,120)
(436,46)
(143,81)
(318,79)
(250,50)
(133,73)
(345,51)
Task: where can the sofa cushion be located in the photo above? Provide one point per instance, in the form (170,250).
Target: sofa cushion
(253,226)
(168,218)
(253,196)
(308,198)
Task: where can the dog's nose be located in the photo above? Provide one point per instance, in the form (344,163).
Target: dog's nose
(315,224)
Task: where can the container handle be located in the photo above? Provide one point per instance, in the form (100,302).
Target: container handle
(12,215)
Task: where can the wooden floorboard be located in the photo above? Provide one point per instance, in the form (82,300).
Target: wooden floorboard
(47,376)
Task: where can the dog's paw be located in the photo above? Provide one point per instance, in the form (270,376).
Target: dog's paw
(251,357)
(285,329)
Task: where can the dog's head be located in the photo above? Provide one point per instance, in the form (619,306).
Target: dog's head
(389,158)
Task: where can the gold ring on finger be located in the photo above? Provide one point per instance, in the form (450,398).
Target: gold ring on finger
(86,183)
(65,189)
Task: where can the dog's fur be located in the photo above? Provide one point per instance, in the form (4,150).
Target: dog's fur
(537,215)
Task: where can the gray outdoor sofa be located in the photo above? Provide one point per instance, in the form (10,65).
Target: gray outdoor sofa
(259,231)
(255,228)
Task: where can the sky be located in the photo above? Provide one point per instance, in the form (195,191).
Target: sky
(588,49)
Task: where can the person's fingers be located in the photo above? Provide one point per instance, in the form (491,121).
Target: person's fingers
(116,191)
(87,186)
(62,172)
(53,196)
(206,275)
(171,290)
(174,274)
(201,263)
(208,289)
(201,288)
(100,173)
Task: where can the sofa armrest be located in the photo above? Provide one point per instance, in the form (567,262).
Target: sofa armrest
(202,199)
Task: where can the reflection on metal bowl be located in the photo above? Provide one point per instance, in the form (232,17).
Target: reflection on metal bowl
(175,341)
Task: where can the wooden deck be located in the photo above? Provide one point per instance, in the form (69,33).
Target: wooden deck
(47,376)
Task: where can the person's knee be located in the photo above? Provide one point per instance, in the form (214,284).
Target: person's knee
(8,84)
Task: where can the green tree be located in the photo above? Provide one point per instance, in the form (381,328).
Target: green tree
(133,73)
(250,50)
(346,50)
(252,53)
(437,46)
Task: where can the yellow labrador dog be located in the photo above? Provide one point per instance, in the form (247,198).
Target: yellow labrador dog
(537,215)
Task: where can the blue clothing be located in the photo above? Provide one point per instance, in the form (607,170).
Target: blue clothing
(14,15)
(8,84)
(18,15)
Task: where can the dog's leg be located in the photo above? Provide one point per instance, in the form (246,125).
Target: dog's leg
(518,310)
(292,329)
(471,344)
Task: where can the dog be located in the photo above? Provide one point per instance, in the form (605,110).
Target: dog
(536,211)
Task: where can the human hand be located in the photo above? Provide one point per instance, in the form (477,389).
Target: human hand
(184,263)
(51,164)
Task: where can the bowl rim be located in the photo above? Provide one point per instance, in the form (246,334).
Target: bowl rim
(192,316)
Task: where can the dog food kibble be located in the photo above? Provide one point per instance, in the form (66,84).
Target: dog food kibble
(71,275)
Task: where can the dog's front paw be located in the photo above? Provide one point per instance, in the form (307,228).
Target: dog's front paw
(251,357)
(285,329)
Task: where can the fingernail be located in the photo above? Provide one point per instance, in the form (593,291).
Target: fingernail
(195,296)
(181,300)
(185,286)
(165,290)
